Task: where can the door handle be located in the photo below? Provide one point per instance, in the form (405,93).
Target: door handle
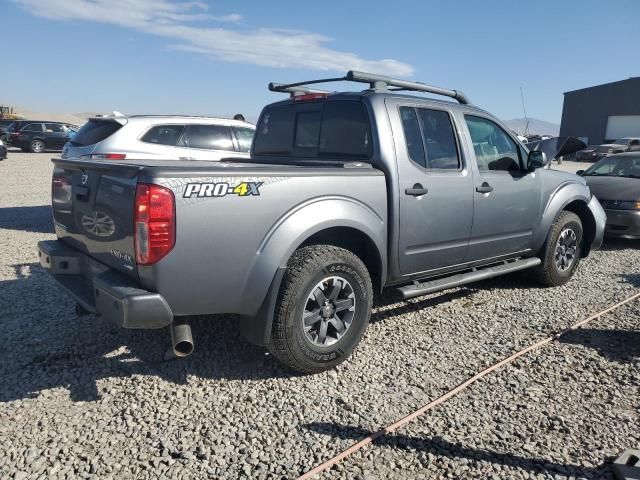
(484,188)
(416,190)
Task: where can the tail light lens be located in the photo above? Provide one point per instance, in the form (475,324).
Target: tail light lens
(155,223)
(60,189)
(105,156)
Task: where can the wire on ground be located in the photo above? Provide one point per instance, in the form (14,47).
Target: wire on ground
(403,421)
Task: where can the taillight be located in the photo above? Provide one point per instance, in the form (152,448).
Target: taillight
(105,156)
(60,189)
(155,227)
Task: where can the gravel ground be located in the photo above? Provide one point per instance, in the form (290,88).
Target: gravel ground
(82,398)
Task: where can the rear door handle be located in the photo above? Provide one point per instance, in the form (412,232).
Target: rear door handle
(484,188)
(416,190)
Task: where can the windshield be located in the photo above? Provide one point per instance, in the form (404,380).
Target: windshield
(616,166)
(622,141)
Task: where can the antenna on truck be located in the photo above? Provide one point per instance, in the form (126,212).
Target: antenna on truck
(376,83)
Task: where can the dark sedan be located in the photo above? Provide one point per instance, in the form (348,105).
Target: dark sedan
(588,154)
(615,182)
(3,150)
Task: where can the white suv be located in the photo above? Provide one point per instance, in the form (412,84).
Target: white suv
(160,137)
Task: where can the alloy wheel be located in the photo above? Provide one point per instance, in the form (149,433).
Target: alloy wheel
(329,311)
(566,249)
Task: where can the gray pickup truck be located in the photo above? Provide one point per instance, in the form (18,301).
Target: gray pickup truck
(345,194)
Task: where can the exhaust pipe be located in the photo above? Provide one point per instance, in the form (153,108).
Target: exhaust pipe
(181,339)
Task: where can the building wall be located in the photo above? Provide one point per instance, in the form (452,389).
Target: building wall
(585,112)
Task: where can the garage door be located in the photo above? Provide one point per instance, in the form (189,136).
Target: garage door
(619,126)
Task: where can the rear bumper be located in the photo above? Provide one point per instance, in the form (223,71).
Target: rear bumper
(623,223)
(102,290)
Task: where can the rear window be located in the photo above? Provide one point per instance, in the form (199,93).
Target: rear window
(317,129)
(94,131)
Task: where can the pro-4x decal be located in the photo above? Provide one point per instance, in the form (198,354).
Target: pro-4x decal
(222,189)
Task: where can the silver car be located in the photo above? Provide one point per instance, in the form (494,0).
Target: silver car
(160,137)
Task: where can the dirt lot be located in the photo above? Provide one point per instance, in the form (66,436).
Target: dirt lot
(80,398)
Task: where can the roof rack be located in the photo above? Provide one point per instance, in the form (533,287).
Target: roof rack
(376,83)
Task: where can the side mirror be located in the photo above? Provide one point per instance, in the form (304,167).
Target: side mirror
(536,159)
(580,172)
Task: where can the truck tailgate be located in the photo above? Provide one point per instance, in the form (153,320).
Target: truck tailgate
(93,208)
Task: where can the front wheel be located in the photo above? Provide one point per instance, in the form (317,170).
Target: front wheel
(323,308)
(561,253)
(37,146)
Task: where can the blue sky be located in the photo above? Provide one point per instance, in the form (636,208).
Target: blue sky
(215,57)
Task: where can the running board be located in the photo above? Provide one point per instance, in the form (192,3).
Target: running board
(422,288)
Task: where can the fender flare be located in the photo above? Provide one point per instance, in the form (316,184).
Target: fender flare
(566,193)
(290,231)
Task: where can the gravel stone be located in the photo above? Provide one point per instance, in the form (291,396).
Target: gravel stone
(81,398)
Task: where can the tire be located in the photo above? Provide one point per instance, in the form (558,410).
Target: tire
(558,271)
(36,146)
(321,345)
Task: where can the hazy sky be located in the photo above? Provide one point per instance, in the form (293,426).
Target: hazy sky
(217,56)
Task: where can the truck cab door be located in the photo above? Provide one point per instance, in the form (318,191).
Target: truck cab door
(435,188)
(508,197)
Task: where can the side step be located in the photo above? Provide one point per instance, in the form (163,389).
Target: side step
(422,288)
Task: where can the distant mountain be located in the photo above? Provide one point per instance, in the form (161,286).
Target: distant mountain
(536,126)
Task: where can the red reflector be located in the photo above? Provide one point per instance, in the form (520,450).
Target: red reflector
(155,229)
(106,156)
(308,96)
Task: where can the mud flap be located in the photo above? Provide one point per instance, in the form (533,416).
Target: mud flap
(257,329)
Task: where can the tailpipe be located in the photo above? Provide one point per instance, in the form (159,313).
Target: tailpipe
(181,339)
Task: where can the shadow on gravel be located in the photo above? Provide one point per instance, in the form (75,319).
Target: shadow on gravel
(440,447)
(615,345)
(631,278)
(50,347)
(27,219)
(613,244)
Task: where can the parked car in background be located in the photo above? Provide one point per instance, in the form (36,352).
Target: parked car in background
(160,137)
(3,150)
(588,154)
(39,135)
(626,144)
(615,182)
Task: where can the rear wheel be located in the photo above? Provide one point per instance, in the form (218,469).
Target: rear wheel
(323,308)
(561,253)
(37,146)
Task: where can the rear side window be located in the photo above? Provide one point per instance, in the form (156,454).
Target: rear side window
(95,131)
(245,137)
(54,128)
(32,127)
(318,129)
(431,141)
(163,135)
(210,137)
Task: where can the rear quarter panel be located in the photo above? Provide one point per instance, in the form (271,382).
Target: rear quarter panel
(229,247)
